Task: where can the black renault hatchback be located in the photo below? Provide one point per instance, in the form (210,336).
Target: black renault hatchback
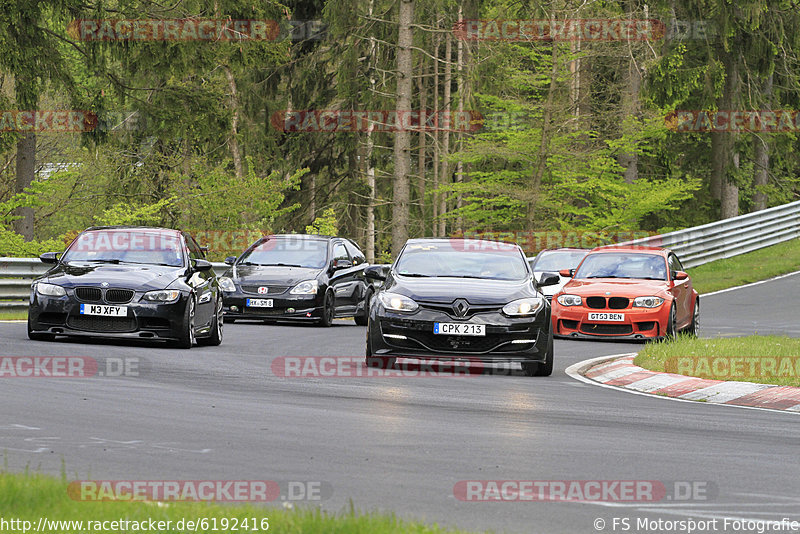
(297,277)
(128,282)
(461,299)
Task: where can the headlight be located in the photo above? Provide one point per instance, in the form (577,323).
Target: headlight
(648,302)
(527,306)
(309,287)
(51,290)
(226,284)
(395,302)
(162,295)
(569,300)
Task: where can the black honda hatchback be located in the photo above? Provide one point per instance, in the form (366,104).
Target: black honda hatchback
(128,282)
(463,300)
(297,277)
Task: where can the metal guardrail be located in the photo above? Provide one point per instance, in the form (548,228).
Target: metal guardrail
(695,246)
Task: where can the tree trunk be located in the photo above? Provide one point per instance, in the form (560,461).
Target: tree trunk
(444,177)
(544,143)
(631,105)
(402,138)
(461,89)
(233,141)
(436,147)
(423,104)
(26,170)
(761,149)
(725,157)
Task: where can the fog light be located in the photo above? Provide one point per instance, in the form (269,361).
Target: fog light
(395,336)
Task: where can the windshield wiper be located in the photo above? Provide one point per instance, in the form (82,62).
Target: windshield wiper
(279,264)
(115,261)
(418,275)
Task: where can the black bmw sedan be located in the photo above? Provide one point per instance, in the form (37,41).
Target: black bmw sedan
(297,277)
(128,282)
(460,299)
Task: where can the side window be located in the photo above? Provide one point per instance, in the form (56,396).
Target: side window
(194,250)
(674,263)
(339,252)
(355,253)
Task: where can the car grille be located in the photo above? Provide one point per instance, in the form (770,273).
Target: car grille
(112,296)
(101,324)
(264,311)
(273,290)
(89,294)
(119,296)
(448,309)
(613,303)
(608,329)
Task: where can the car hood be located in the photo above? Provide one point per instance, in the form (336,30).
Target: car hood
(621,288)
(260,274)
(475,291)
(131,276)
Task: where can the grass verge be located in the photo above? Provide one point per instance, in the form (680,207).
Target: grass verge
(29,497)
(13,316)
(761,359)
(747,268)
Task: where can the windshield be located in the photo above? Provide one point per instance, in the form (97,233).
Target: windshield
(127,246)
(623,265)
(555,260)
(301,252)
(504,262)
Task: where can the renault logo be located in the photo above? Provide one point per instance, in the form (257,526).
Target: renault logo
(460,307)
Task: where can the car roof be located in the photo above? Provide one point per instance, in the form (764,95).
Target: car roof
(564,249)
(461,239)
(132,227)
(631,248)
(319,237)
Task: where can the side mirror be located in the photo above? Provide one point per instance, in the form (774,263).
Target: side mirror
(230,260)
(375,272)
(341,264)
(49,257)
(549,279)
(567,273)
(680,275)
(201,265)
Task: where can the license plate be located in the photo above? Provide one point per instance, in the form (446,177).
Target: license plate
(259,303)
(616,317)
(459,329)
(101,309)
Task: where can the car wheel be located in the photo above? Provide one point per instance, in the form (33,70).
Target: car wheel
(361,320)
(186,336)
(327,310)
(694,326)
(541,368)
(216,328)
(38,336)
(228,320)
(670,333)
(378,362)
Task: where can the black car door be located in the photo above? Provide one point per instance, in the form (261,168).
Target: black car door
(203,284)
(343,279)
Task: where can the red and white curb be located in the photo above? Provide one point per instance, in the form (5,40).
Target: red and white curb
(619,372)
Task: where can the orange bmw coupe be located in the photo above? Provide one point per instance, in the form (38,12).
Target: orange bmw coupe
(626,293)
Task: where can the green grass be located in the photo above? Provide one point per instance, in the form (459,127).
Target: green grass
(746,268)
(782,352)
(32,496)
(13,316)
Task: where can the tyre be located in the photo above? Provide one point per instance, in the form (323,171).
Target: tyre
(541,368)
(694,326)
(38,336)
(670,332)
(361,320)
(216,328)
(327,310)
(186,337)
(378,362)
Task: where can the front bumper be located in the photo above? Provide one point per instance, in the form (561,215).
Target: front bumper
(639,323)
(507,339)
(144,320)
(284,306)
